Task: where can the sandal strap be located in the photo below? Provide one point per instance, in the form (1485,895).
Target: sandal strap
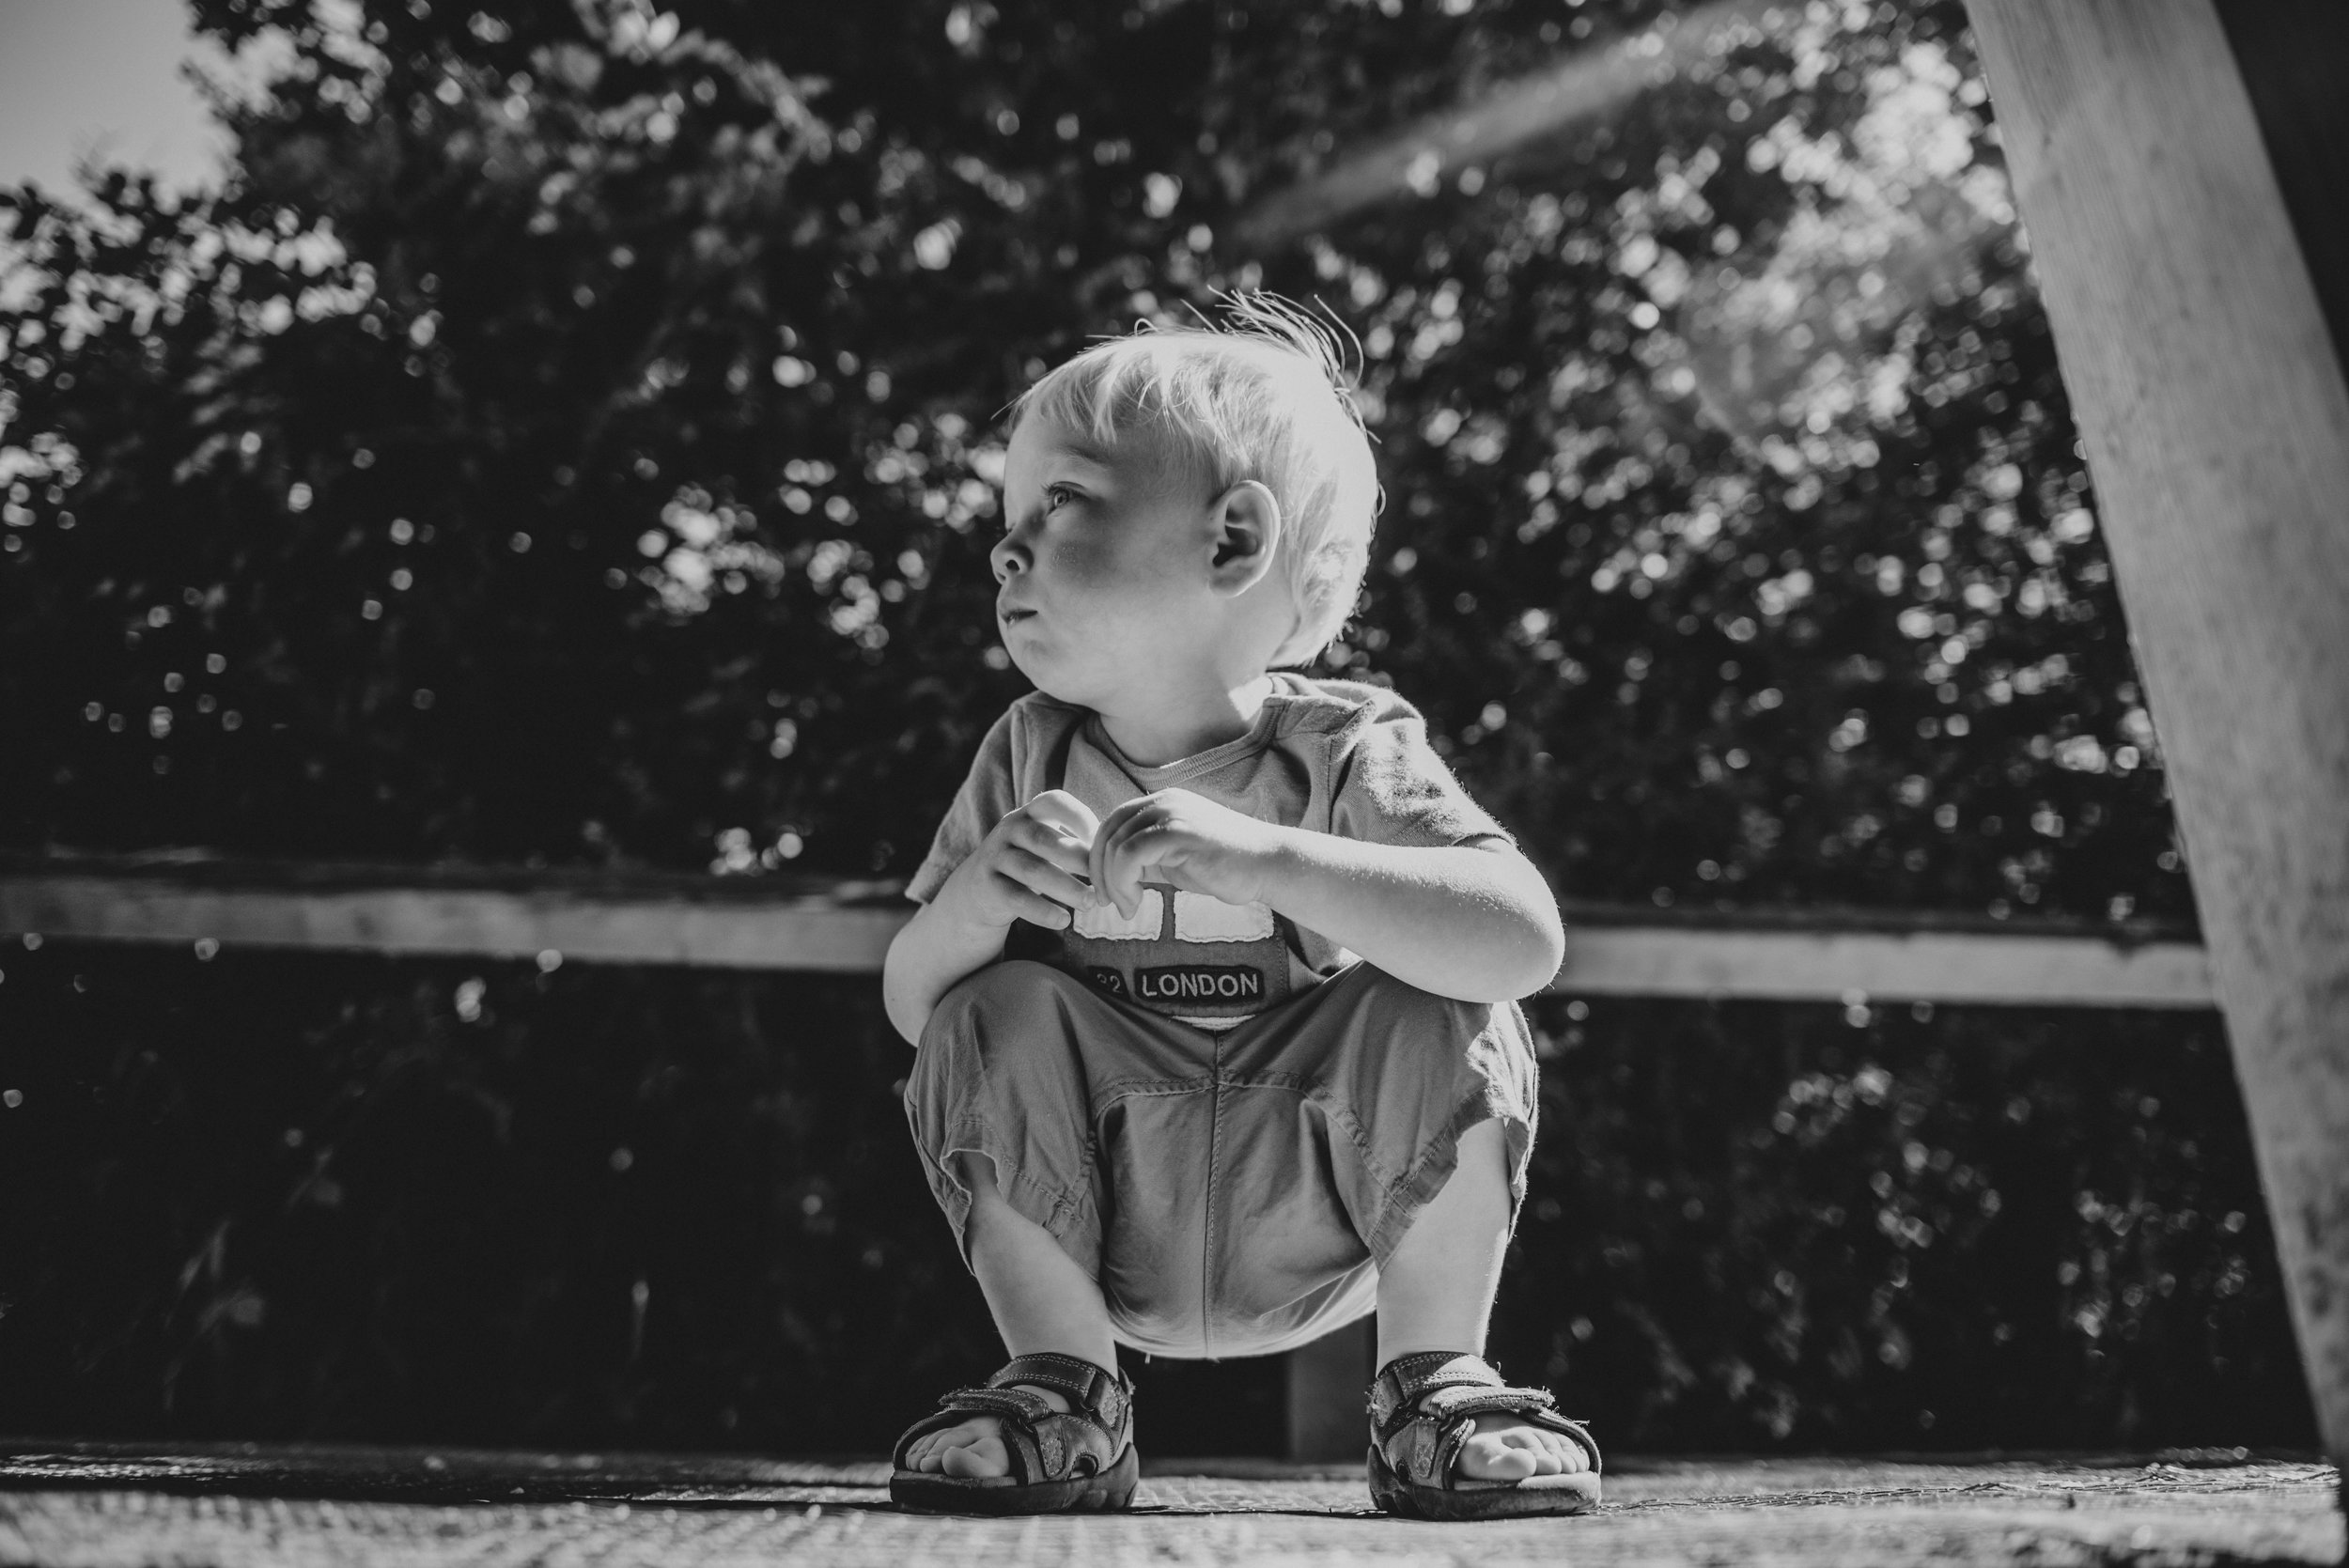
(1404,1385)
(1101,1393)
(1024,1405)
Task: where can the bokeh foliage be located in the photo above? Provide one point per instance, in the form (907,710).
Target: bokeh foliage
(568,439)
(445,1202)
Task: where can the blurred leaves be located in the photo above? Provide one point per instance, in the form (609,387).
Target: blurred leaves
(325,1197)
(1902,1228)
(570,439)
(453,1201)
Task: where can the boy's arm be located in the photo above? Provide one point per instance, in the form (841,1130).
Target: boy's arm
(1474,921)
(1028,868)
(930,954)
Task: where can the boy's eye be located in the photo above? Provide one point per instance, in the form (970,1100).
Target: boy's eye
(1057,496)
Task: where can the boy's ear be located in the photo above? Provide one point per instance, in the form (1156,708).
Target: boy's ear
(1247,524)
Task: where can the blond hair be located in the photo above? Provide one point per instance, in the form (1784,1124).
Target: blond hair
(1260,396)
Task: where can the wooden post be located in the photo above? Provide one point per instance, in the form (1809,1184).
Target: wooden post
(2211,399)
(1327,1385)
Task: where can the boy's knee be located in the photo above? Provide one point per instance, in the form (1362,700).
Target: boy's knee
(1000,1001)
(975,1171)
(1400,1003)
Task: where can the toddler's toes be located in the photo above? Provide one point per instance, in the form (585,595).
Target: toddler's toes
(981,1460)
(1490,1456)
(1503,1449)
(1557,1452)
(970,1449)
(1539,1445)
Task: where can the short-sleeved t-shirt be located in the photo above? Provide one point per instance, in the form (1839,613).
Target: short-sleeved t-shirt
(1331,755)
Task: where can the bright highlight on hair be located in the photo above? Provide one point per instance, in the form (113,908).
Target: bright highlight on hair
(1260,394)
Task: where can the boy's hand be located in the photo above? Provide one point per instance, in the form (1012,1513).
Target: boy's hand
(1030,867)
(1191,842)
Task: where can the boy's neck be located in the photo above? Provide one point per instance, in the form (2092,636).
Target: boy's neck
(1172,725)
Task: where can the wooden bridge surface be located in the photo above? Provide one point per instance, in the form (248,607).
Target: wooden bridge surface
(72,1505)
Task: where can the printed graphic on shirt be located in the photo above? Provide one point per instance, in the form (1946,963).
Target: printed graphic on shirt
(1106,924)
(1197,983)
(1186,954)
(1201,919)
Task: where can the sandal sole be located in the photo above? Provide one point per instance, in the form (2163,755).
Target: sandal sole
(1554,1497)
(927,1492)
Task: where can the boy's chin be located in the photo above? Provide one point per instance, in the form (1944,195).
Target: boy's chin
(1055,683)
(1074,693)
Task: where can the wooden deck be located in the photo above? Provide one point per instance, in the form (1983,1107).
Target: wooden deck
(83,1506)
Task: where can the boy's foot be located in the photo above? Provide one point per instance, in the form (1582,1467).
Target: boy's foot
(1451,1439)
(1048,1434)
(1508,1447)
(974,1450)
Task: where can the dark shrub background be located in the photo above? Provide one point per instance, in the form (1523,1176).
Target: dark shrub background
(565,441)
(283,1197)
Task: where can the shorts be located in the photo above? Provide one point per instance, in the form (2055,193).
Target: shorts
(1233,1193)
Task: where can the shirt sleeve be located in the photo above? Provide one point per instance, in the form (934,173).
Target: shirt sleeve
(1389,787)
(988,794)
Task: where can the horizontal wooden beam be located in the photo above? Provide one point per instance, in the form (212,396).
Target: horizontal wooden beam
(844,927)
(2014,969)
(710,922)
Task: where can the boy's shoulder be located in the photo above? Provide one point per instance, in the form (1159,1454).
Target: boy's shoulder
(1034,725)
(1336,707)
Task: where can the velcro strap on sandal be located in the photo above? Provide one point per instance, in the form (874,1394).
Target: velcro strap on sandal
(1096,1390)
(1024,1404)
(1443,1405)
(1404,1383)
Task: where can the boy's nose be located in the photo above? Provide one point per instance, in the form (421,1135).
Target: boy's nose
(1009,558)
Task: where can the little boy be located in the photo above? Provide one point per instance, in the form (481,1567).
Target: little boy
(1213,978)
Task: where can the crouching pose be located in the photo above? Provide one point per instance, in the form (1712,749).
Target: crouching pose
(1213,982)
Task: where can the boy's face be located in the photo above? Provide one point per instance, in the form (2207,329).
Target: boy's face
(1105,570)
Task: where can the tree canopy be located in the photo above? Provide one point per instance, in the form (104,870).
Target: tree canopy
(569,437)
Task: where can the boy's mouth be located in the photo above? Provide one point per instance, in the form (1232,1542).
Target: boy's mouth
(1012,615)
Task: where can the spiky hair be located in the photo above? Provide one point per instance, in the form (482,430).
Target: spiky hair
(1262,393)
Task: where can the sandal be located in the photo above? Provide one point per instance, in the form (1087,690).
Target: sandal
(1068,1461)
(1424,1407)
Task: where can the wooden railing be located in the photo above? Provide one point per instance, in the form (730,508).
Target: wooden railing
(782,923)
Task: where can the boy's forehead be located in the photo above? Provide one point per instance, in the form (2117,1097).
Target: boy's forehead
(1044,439)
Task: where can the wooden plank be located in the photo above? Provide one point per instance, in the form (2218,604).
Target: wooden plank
(2216,419)
(2017,969)
(844,927)
(277,1502)
(802,932)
